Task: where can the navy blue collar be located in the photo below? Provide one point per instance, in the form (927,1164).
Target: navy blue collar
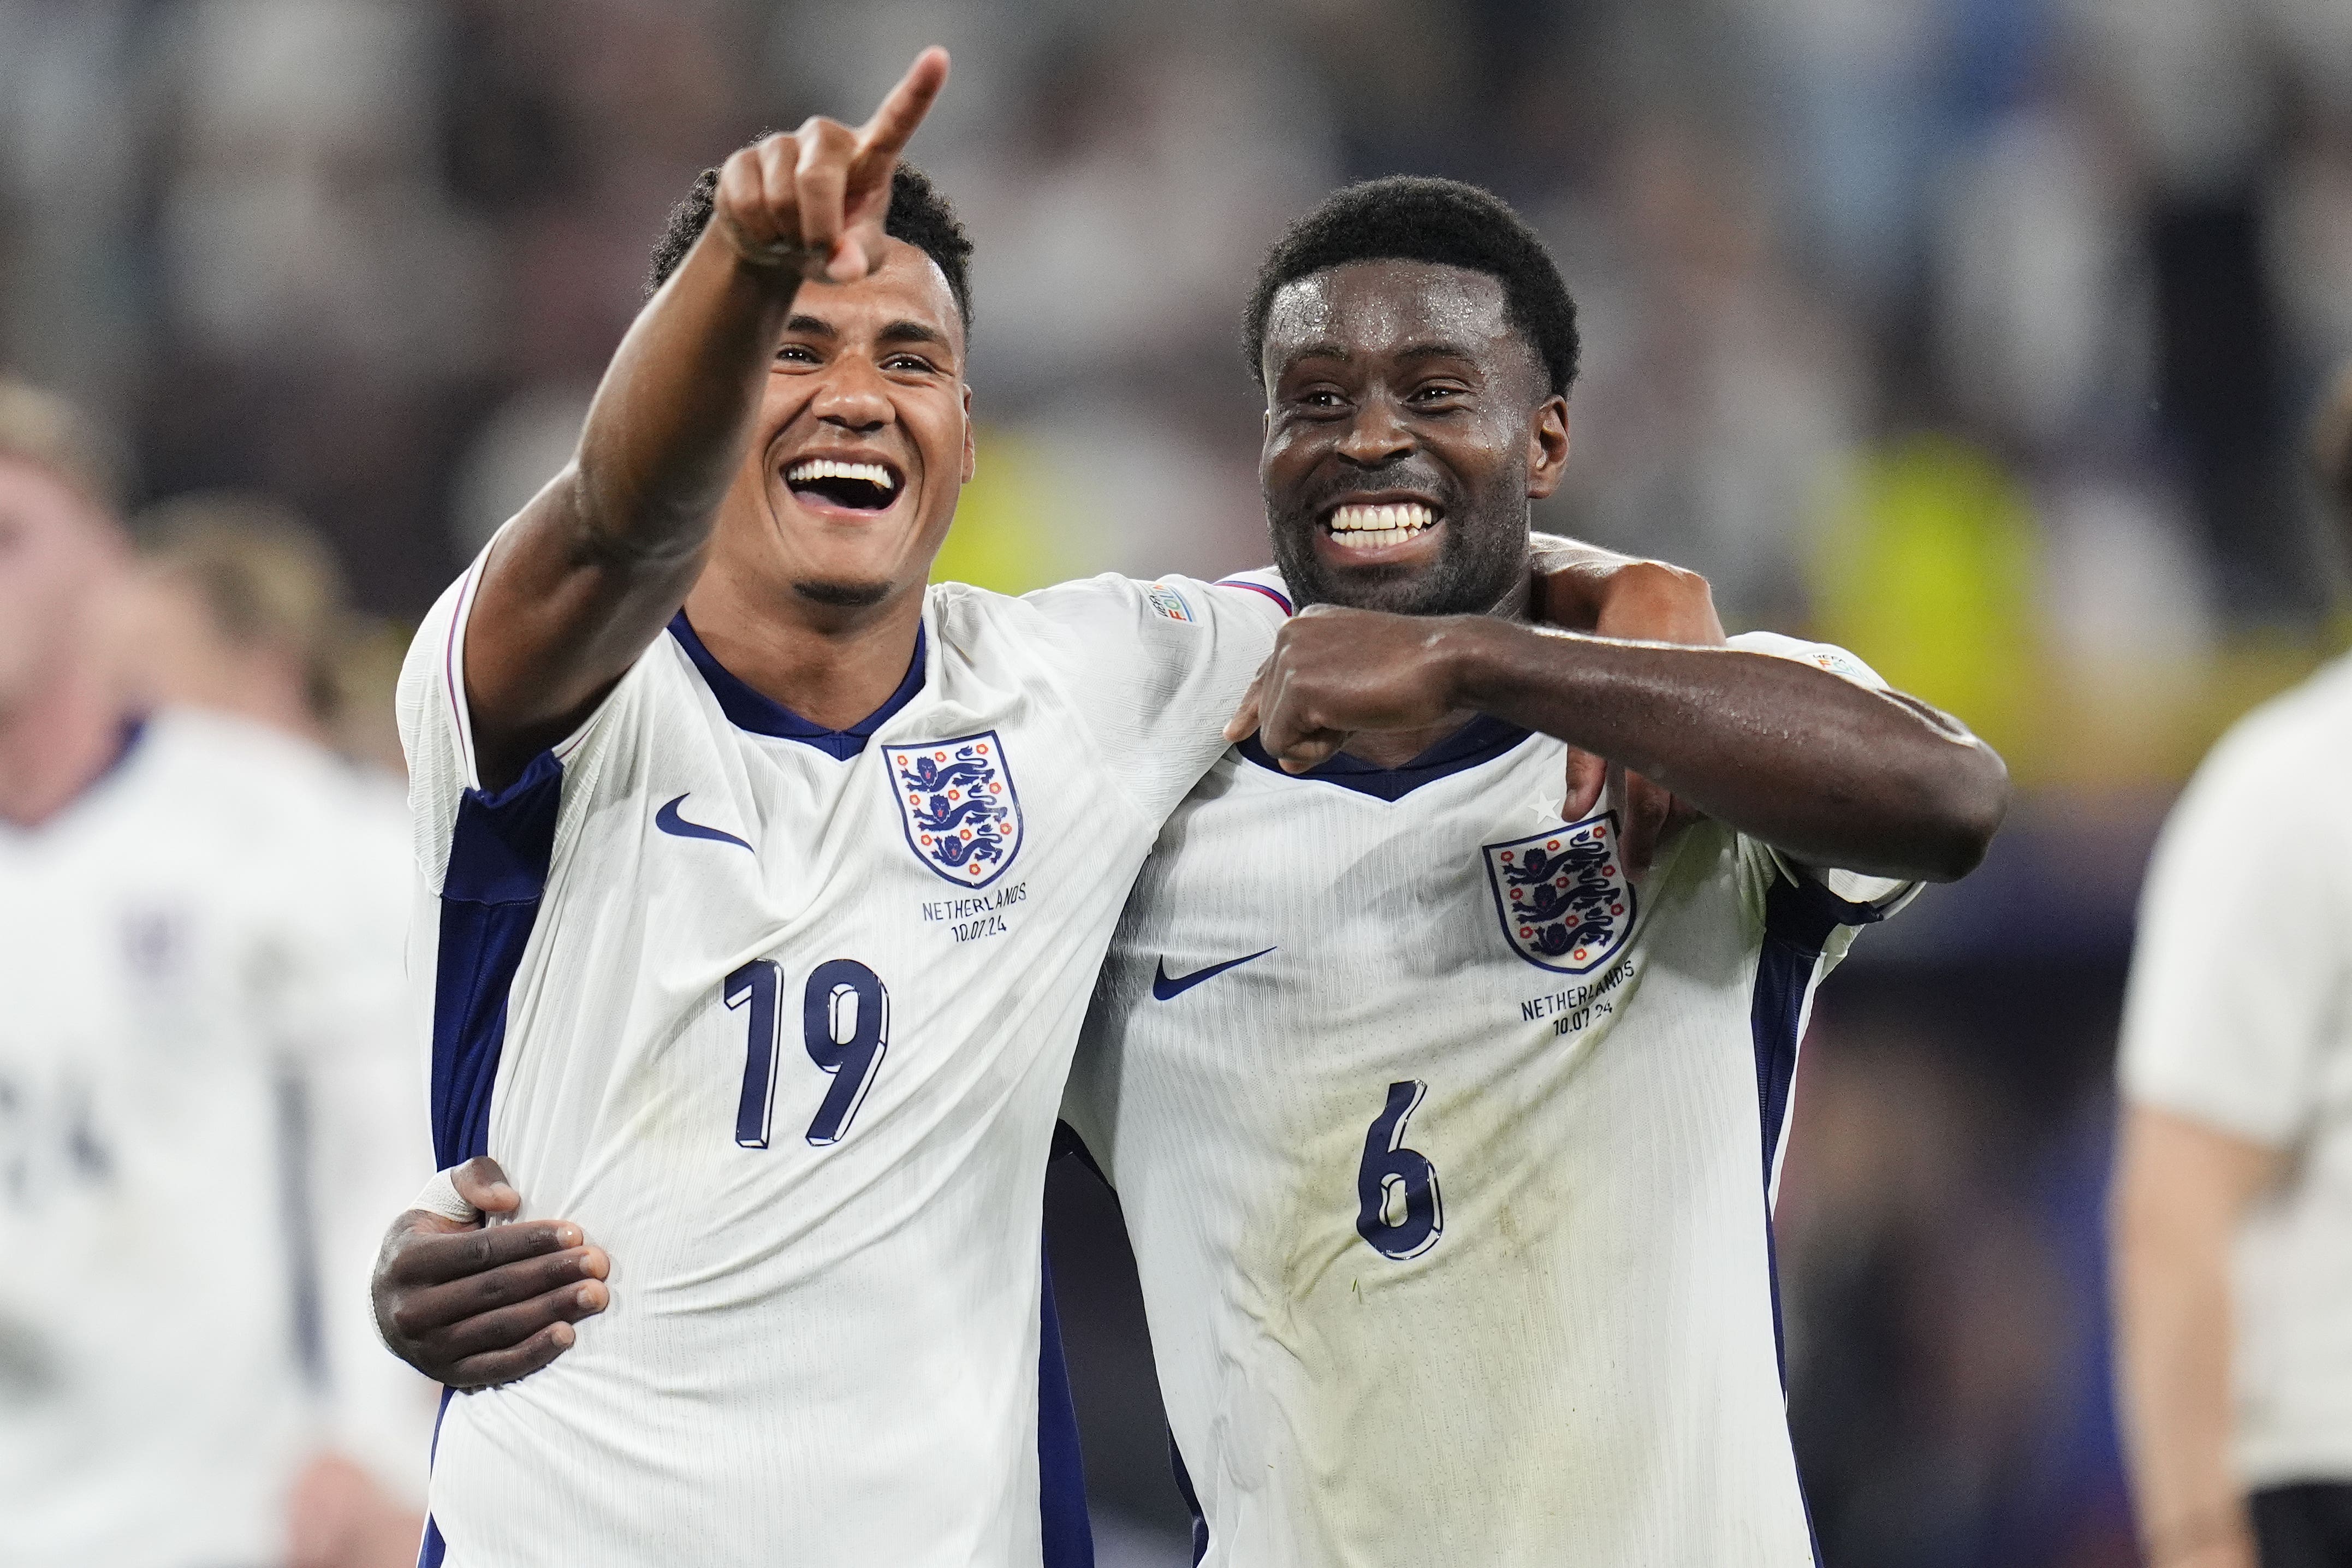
(1482,740)
(763,715)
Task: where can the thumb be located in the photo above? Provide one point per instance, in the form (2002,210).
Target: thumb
(1586,775)
(481,1182)
(850,261)
(1245,720)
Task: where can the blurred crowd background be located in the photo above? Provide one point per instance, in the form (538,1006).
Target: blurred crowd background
(1976,335)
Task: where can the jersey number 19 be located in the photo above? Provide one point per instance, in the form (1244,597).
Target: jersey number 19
(844,1023)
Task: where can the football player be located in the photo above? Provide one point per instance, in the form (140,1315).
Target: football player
(1373,963)
(2233,1252)
(200,937)
(1445,1132)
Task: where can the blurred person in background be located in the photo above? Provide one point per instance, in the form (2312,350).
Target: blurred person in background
(240,607)
(200,932)
(2232,1219)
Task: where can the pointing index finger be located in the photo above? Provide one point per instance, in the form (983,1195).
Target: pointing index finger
(886,134)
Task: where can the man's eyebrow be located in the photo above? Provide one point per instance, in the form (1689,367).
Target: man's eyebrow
(913,332)
(810,327)
(1434,351)
(1324,350)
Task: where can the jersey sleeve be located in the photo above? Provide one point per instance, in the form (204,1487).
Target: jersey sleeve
(2239,978)
(1156,668)
(436,735)
(1826,897)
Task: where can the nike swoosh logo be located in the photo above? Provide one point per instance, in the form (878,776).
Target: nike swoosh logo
(1166,987)
(669,821)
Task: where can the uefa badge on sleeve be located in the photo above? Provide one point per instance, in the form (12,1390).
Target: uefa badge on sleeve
(1564,899)
(956,798)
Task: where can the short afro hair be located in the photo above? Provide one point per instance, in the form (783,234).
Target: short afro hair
(918,215)
(1415,219)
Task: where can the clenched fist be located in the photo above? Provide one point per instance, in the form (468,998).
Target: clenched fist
(812,202)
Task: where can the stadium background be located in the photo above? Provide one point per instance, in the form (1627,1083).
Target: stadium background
(1974,335)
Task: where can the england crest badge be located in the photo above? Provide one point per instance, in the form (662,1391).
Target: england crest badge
(1564,899)
(956,798)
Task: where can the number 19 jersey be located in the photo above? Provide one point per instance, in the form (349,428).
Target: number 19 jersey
(1444,1145)
(782,1015)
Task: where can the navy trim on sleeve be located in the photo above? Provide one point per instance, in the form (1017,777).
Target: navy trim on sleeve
(1064,1528)
(499,855)
(1258,588)
(1799,916)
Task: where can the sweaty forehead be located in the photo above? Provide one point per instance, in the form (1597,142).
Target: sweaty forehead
(908,286)
(1375,307)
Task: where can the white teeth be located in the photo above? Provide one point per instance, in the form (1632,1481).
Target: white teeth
(1369,527)
(829,468)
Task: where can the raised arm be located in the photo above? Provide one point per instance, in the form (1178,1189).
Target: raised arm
(601,558)
(1830,771)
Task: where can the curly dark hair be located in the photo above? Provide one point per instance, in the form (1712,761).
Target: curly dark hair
(1418,219)
(918,215)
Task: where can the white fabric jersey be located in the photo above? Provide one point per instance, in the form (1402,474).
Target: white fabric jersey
(782,1016)
(206,1080)
(1445,1149)
(2254,869)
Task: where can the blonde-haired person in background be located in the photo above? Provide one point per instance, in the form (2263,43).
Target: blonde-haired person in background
(2233,1199)
(241,608)
(201,920)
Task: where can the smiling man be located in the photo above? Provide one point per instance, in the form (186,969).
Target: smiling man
(765,890)
(1443,1130)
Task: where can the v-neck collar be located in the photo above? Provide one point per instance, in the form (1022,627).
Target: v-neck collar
(763,715)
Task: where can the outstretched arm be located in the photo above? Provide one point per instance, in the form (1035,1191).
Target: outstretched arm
(1811,764)
(600,558)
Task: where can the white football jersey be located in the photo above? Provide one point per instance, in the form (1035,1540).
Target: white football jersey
(208,1097)
(1445,1148)
(2238,1016)
(782,1016)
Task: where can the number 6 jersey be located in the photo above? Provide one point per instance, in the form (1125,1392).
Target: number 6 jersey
(1445,1146)
(782,1016)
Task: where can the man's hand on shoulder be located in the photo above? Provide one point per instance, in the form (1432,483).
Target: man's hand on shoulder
(1581,587)
(471,1305)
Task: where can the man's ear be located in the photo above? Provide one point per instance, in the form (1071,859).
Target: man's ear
(1547,447)
(971,451)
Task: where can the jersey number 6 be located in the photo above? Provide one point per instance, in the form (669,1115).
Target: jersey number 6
(1397,1208)
(844,1023)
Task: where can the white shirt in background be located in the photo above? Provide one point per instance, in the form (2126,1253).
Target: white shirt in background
(2238,1016)
(201,1001)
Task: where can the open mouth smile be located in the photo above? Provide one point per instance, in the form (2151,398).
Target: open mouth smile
(1361,525)
(845,484)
